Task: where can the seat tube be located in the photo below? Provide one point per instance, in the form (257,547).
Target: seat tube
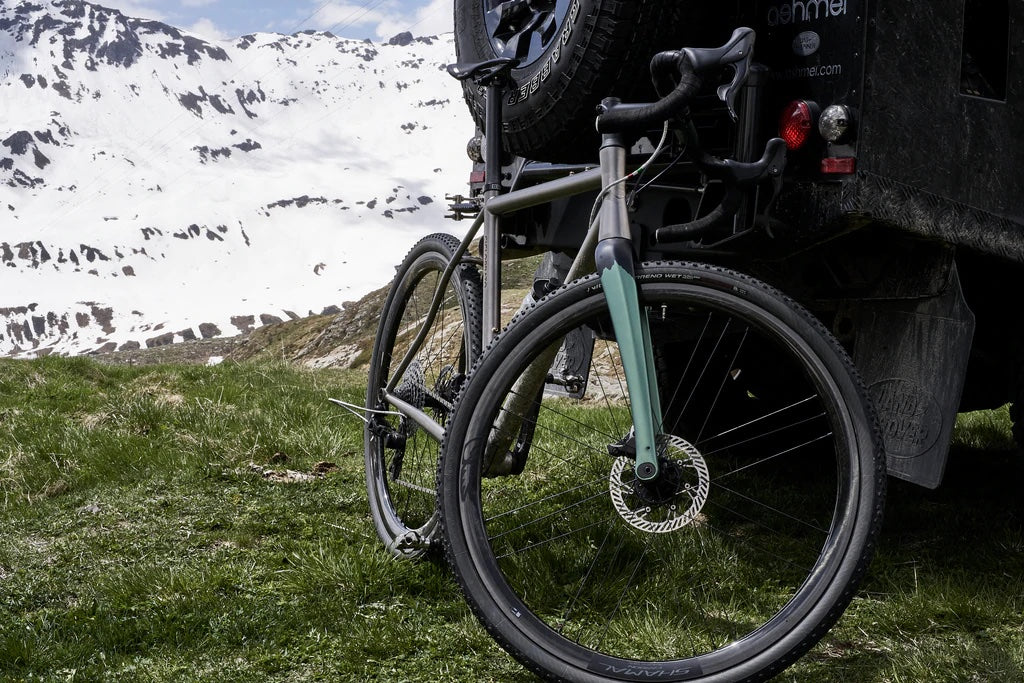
(615,264)
(492,223)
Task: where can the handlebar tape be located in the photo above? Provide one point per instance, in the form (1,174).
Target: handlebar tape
(622,119)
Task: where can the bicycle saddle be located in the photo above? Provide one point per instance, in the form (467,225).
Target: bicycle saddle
(484,73)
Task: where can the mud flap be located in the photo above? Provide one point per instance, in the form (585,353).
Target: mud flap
(913,356)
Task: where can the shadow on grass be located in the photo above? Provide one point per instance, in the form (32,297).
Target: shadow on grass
(942,600)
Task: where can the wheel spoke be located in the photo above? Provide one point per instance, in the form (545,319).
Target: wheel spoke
(523,29)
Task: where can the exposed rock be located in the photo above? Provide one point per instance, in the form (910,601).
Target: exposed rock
(244,323)
(248,146)
(18,142)
(209,330)
(104,316)
(161,340)
(403,39)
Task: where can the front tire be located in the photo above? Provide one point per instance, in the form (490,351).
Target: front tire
(730,565)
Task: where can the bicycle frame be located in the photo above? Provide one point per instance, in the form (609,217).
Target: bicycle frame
(493,210)
(608,244)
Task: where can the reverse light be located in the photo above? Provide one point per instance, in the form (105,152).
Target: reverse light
(475,149)
(797,123)
(836,123)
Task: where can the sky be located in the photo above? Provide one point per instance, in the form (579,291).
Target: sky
(227,19)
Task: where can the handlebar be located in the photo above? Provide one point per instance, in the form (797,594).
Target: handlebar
(618,118)
(679,72)
(687,64)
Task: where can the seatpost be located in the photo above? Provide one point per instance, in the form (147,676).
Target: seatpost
(494,75)
(492,223)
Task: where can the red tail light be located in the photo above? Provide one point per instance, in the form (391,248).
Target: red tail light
(796,123)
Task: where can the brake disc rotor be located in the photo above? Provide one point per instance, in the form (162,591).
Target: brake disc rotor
(674,500)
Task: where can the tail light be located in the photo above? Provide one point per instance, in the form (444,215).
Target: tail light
(797,123)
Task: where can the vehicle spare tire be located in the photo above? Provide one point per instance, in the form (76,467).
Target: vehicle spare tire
(573,53)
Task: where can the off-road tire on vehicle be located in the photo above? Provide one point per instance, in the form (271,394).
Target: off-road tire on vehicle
(581,583)
(401,470)
(585,50)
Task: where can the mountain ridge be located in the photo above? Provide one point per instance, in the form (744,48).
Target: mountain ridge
(157,187)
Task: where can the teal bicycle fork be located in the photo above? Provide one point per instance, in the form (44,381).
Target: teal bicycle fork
(615,265)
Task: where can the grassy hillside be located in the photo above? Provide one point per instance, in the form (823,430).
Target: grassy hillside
(170,523)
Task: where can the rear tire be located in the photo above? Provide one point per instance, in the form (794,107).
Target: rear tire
(1017,406)
(401,459)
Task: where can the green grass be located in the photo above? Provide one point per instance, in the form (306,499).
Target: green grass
(139,543)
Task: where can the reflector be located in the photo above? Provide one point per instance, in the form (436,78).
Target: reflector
(839,165)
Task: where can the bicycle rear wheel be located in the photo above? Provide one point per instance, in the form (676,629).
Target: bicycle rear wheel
(401,459)
(732,563)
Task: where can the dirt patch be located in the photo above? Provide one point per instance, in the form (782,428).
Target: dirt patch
(320,470)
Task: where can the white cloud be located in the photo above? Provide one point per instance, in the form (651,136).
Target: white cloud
(434,19)
(338,16)
(204,28)
(142,9)
(385,18)
(197,3)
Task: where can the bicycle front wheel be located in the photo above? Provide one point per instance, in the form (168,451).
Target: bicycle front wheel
(401,458)
(729,565)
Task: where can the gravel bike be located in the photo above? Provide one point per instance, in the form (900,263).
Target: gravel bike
(661,470)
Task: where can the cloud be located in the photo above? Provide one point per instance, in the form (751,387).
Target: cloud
(141,9)
(197,3)
(204,28)
(338,16)
(433,19)
(385,18)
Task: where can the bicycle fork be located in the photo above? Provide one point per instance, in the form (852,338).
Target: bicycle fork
(615,265)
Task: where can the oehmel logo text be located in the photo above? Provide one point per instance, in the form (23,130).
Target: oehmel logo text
(805,10)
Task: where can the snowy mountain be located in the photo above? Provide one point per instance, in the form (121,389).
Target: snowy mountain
(156,187)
